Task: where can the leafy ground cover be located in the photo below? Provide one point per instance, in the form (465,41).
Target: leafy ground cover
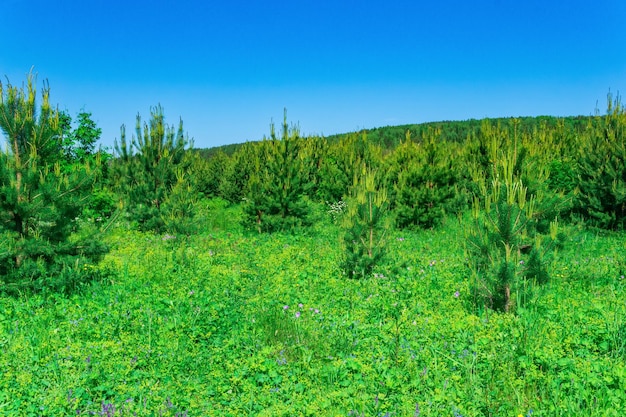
(236,323)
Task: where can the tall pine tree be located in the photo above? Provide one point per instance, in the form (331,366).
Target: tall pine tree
(147,168)
(39,203)
(277,188)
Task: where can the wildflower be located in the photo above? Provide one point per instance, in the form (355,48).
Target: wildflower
(300,305)
(521,262)
(285,307)
(282,360)
(297,314)
(456,294)
(108,409)
(317,311)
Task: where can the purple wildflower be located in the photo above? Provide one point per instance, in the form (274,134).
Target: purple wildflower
(456,294)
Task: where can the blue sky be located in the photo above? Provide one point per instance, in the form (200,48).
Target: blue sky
(229,68)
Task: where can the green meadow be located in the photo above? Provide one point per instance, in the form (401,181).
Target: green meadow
(228,322)
(457,269)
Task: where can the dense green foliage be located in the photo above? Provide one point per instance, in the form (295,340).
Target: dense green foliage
(148,169)
(424,179)
(41,246)
(503,232)
(278,184)
(227,290)
(365,227)
(572,165)
(233,323)
(602,170)
(79,144)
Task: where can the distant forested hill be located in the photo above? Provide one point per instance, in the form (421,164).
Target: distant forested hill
(389,137)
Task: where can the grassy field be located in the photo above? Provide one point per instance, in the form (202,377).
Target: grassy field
(230,323)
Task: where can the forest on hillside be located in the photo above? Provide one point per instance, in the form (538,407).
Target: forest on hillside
(471,268)
(57,190)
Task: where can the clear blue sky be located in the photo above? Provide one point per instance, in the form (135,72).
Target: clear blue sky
(229,67)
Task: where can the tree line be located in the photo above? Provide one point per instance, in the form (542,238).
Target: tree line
(517,178)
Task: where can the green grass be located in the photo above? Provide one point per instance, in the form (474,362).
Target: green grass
(197,326)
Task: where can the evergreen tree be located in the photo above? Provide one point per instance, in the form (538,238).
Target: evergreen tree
(277,188)
(602,170)
(234,185)
(39,203)
(208,173)
(422,179)
(365,225)
(314,153)
(147,167)
(342,162)
(505,229)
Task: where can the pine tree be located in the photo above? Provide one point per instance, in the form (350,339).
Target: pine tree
(506,228)
(602,170)
(422,180)
(39,203)
(234,185)
(342,161)
(209,173)
(147,167)
(277,188)
(365,225)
